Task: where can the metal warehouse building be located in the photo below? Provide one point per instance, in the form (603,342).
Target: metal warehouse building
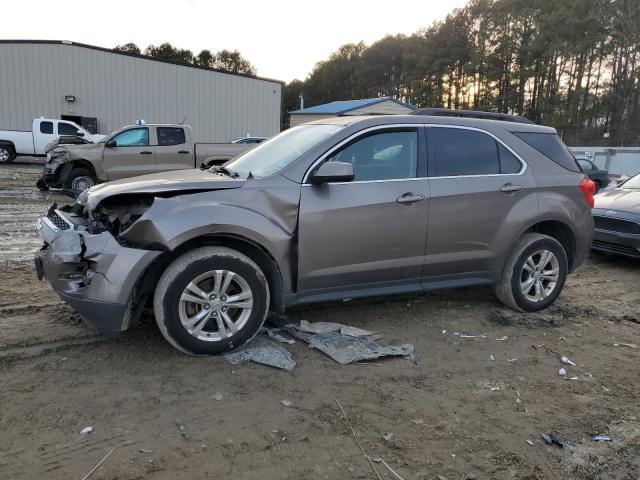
(103,90)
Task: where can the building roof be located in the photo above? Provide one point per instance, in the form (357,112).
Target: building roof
(146,57)
(343,106)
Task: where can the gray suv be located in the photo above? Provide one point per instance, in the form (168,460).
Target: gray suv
(340,208)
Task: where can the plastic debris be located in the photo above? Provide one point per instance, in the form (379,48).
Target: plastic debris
(286,403)
(602,438)
(562,372)
(217,397)
(346,349)
(444,332)
(472,336)
(183,429)
(630,345)
(530,442)
(329,327)
(86,431)
(264,351)
(502,339)
(566,361)
(512,359)
(554,439)
(494,389)
(492,358)
(273,333)
(572,378)
(387,436)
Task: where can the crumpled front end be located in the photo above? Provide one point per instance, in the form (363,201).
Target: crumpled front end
(91,271)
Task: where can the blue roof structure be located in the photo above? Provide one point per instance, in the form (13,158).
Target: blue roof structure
(343,106)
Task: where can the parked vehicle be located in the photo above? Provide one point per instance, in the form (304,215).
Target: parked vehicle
(249,140)
(340,208)
(617,219)
(131,151)
(15,143)
(598,175)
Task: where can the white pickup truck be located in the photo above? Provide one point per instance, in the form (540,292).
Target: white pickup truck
(14,143)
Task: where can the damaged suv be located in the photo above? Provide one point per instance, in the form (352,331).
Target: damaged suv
(339,208)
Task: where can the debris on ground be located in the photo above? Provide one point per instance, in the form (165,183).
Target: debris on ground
(630,345)
(562,372)
(286,403)
(502,339)
(387,436)
(566,361)
(530,442)
(182,429)
(329,327)
(346,349)
(273,333)
(555,439)
(86,431)
(217,397)
(602,438)
(265,351)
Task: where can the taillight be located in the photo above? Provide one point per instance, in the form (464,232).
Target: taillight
(588,189)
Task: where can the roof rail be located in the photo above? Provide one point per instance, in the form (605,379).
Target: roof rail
(446,112)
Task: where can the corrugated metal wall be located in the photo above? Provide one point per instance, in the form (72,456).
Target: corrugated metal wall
(617,160)
(118,89)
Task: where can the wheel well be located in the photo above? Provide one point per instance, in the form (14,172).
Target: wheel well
(7,143)
(251,249)
(562,233)
(82,164)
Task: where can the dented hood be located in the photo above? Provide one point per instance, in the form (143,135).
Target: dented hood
(177,181)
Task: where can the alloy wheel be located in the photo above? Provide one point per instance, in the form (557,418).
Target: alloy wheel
(540,275)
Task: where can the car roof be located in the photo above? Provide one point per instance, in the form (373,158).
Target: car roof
(365,121)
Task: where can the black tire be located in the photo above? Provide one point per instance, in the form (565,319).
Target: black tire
(509,290)
(7,154)
(79,177)
(188,268)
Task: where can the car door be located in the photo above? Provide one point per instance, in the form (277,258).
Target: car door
(43,135)
(479,190)
(128,154)
(371,232)
(172,151)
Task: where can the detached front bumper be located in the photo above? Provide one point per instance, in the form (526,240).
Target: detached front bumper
(92,273)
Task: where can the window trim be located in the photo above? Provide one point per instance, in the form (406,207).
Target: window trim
(42,123)
(184,136)
(363,133)
(431,156)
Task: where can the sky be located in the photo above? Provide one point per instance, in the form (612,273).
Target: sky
(283,39)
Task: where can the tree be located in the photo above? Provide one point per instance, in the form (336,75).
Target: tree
(291,98)
(204,59)
(169,53)
(130,48)
(233,61)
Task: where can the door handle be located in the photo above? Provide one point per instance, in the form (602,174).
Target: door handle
(183,151)
(146,152)
(510,188)
(410,198)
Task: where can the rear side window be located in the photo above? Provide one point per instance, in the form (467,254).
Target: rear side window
(508,161)
(460,152)
(46,127)
(67,129)
(170,136)
(551,147)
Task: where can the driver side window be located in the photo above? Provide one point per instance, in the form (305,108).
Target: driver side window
(382,156)
(136,137)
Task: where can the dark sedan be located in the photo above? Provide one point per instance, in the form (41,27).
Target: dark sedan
(598,175)
(617,219)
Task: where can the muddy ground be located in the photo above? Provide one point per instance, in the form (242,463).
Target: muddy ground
(465,408)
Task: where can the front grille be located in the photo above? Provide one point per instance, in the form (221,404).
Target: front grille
(616,225)
(58,221)
(616,248)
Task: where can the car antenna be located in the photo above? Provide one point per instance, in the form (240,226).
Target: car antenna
(183,120)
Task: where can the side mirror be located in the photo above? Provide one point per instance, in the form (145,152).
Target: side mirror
(332,172)
(80,133)
(111,144)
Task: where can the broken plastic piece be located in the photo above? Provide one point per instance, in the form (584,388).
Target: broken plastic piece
(86,431)
(262,350)
(566,361)
(329,327)
(272,333)
(387,436)
(562,372)
(286,403)
(602,438)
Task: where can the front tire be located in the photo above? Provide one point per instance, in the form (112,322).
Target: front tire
(7,154)
(80,179)
(534,273)
(210,301)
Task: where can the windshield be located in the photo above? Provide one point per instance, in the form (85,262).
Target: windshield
(632,182)
(273,155)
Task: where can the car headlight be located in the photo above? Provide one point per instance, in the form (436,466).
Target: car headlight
(117,214)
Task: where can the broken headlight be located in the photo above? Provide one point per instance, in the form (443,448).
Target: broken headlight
(117,214)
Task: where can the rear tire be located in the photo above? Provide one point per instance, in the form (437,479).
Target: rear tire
(534,274)
(80,179)
(195,297)
(7,154)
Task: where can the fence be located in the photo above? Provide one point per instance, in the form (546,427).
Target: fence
(616,160)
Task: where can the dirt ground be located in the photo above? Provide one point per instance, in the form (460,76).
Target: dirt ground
(465,408)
